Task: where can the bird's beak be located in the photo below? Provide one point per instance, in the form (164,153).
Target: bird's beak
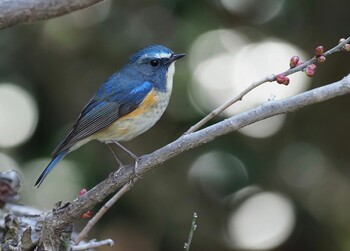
(175,57)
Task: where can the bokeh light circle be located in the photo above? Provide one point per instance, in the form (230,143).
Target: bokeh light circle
(257,10)
(63,183)
(19,115)
(210,58)
(263,221)
(223,71)
(7,163)
(213,43)
(218,173)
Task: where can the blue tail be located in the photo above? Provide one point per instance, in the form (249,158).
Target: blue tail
(50,166)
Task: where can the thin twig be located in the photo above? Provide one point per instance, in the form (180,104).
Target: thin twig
(224,106)
(93,244)
(190,235)
(253,85)
(84,233)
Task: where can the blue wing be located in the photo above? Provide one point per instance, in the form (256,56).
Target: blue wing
(111,102)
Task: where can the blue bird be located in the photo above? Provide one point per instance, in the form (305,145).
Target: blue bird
(126,105)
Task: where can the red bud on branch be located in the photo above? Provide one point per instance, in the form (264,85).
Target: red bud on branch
(294,61)
(346,47)
(87,215)
(286,81)
(280,78)
(310,70)
(321,59)
(319,50)
(82,191)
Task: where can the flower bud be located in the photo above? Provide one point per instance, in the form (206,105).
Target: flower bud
(312,66)
(293,61)
(319,50)
(280,78)
(286,81)
(82,191)
(346,47)
(87,215)
(310,70)
(321,59)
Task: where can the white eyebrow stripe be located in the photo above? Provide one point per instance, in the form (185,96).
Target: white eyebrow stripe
(157,55)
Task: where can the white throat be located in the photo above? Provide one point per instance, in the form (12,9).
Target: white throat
(170,76)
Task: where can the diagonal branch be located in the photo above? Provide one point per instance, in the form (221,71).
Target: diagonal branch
(62,217)
(14,12)
(269,78)
(83,234)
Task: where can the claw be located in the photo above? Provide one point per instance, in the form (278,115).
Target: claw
(134,170)
(136,158)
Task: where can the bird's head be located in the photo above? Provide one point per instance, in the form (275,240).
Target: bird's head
(154,61)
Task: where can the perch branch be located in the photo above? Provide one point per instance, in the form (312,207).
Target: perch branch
(25,11)
(62,217)
(194,128)
(253,85)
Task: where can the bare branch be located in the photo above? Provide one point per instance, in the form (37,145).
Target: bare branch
(25,11)
(190,235)
(227,104)
(83,234)
(62,217)
(93,244)
(253,85)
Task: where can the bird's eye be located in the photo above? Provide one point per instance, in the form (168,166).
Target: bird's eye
(154,62)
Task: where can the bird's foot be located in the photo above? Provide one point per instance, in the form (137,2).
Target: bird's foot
(116,173)
(134,156)
(135,167)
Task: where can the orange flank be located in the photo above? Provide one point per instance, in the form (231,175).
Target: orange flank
(150,100)
(133,121)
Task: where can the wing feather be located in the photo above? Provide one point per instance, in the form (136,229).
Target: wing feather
(102,111)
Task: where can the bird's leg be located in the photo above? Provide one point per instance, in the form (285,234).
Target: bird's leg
(117,159)
(115,156)
(136,158)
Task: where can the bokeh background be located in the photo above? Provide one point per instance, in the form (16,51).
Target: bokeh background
(282,184)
